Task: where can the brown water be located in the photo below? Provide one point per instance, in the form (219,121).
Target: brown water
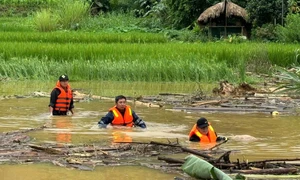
(252,136)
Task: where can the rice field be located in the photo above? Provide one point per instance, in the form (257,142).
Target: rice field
(167,61)
(131,56)
(28,2)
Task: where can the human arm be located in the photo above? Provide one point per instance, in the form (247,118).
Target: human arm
(53,97)
(194,138)
(71,106)
(104,121)
(220,138)
(138,121)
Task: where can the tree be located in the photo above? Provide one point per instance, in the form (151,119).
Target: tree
(266,11)
(184,12)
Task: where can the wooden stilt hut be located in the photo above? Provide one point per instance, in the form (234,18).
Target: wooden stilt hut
(223,19)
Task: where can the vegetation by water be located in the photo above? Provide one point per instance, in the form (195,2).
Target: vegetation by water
(119,46)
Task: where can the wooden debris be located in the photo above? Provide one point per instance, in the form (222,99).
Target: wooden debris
(277,171)
(46,149)
(86,157)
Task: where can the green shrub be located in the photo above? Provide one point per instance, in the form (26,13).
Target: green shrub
(71,13)
(290,32)
(45,20)
(265,33)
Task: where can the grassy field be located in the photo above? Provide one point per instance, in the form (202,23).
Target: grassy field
(114,47)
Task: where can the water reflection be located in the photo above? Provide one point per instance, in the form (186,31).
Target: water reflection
(64,126)
(121,136)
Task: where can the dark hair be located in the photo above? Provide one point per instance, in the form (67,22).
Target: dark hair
(119,97)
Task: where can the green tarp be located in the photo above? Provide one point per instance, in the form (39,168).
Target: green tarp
(201,169)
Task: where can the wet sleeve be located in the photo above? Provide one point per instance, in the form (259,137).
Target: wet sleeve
(71,104)
(138,121)
(220,138)
(53,97)
(194,138)
(107,119)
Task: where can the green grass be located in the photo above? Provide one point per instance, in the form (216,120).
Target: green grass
(203,70)
(62,37)
(28,2)
(114,47)
(13,24)
(136,48)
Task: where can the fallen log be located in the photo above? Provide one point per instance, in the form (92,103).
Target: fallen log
(277,171)
(225,156)
(172,94)
(170,160)
(274,160)
(164,144)
(82,96)
(46,149)
(25,131)
(184,149)
(217,145)
(197,153)
(246,106)
(212,102)
(217,109)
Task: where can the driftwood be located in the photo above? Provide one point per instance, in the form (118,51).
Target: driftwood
(219,109)
(219,144)
(211,102)
(87,157)
(277,171)
(170,160)
(196,153)
(184,149)
(46,149)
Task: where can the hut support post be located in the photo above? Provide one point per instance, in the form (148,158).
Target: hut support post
(225,27)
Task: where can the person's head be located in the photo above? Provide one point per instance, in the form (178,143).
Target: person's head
(120,102)
(202,125)
(64,80)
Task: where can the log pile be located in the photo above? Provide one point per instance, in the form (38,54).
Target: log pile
(17,147)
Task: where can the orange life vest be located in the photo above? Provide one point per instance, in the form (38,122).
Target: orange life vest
(64,98)
(127,120)
(209,138)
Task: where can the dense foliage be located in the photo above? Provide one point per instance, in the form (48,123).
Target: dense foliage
(267,11)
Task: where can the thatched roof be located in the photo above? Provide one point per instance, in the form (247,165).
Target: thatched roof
(219,8)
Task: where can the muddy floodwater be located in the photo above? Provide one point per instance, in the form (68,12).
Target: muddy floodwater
(252,136)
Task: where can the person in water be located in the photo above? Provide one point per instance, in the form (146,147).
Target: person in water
(203,132)
(61,99)
(121,115)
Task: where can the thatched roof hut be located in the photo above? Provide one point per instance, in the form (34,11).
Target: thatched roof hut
(223,10)
(226,7)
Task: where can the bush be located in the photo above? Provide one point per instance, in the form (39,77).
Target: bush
(265,33)
(71,13)
(45,20)
(290,33)
(68,15)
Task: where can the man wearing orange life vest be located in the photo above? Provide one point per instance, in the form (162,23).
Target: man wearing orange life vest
(121,115)
(203,132)
(61,99)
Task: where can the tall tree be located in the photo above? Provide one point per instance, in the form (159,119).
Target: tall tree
(184,12)
(266,11)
